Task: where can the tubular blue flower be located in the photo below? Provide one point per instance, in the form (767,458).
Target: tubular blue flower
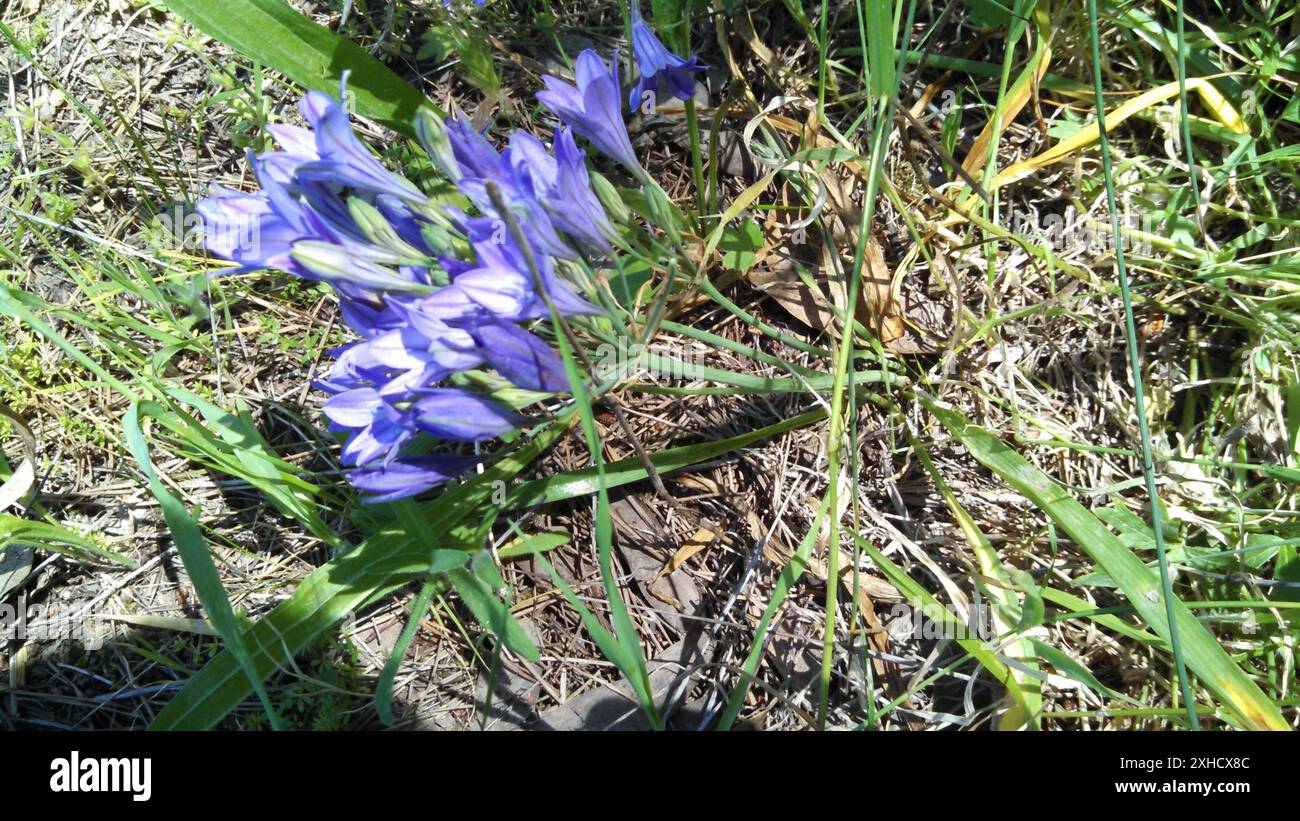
(562,185)
(295,140)
(545,192)
(408,476)
(413,371)
(342,158)
(436,337)
(261,230)
(471,154)
(409,226)
(337,264)
(452,413)
(593,107)
(502,284)
(475,164)
(370,315)
(355,366)
(521,357)
(661,74)
(378,429)
(246,230)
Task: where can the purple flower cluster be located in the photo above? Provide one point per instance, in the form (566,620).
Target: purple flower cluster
(425,308)
(432,291)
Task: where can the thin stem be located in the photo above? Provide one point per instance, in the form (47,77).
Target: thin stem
(1185,123)
(697,162)
(1135,365)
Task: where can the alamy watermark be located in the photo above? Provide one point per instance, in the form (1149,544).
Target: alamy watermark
(917,619)
(75,773)
(20,621)
(630,359)
(1073,231)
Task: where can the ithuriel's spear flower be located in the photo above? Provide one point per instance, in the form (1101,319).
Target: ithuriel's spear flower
(408,476)
(562,185)
(661,74)
(593,107)
(246,230)
(432,291)
(340,157)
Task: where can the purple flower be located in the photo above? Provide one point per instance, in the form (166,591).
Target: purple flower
(521,357)
(451,413)
(592,107)
(474,164)
(246,230)
(425,309)
(378,429)
(339,265)
(562,185)
(300,202)
(435,334)
(661,74)
(341,158)
(471,155)
(408,476)
(502,284)
(545,192)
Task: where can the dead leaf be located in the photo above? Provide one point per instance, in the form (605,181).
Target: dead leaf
(700,483)
(641,541)
(782,283)
(880,309)
(702,539)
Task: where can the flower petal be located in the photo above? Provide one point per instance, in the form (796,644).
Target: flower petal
(408,476)
(451,413)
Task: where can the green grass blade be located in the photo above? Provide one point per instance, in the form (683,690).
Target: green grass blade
(54,538)
(443,562)
(1075,671)
(1142,587)
(193,549)
(576,483)
(934,610)
(384,686)
(789,576)
(1008,615)
(878,25)
(275,35)
(634,663)
(609,645)
(525,545)
(13,306)
(1074,604)
(492,613)
(376,567)
(235,446)
(1135,360)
